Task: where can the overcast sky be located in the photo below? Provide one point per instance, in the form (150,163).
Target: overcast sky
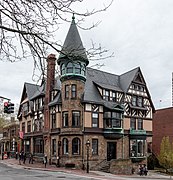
(139,32)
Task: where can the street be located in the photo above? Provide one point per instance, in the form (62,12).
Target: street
(17,172)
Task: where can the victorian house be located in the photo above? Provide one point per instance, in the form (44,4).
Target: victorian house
(86,114)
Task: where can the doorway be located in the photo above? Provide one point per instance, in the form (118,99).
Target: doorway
(111,150)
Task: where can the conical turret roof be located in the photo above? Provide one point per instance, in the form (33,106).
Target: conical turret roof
(73,47)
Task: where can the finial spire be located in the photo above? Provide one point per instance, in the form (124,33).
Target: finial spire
(73,18)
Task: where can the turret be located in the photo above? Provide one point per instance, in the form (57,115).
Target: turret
(73,59)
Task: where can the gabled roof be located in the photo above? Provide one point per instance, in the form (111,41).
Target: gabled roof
(103,79)
(127,78)
(40,91)
(121,83)
(27,93)
(30,89)
(57,100)
(73,46)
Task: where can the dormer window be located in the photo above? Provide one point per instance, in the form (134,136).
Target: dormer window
(106,95)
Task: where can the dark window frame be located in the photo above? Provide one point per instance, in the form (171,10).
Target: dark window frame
(53,147)
(76,146)
(23,127)
(67,90)
(28,126)
(73,91)
(53,117)
(94,146)
(95,120)
(133,123)
(76,122)
(65,119)
(65,146)
(140,124)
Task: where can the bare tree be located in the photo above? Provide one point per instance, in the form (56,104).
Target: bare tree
(27,28)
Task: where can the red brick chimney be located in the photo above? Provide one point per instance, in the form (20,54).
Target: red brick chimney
(50,82)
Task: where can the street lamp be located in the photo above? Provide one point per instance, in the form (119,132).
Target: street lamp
(88,145)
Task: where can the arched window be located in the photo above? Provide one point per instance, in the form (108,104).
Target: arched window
(65,146)
(70,67)
(77,68)
(62,69)
(76,146)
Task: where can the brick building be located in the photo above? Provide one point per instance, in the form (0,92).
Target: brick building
(162,126)
(112,114)
(10,139)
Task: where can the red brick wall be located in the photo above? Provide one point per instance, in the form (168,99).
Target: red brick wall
(162,126)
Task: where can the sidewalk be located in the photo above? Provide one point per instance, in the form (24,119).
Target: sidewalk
(40,166)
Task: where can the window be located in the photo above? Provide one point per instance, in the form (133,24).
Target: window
(137,101)
(70,67)
(116,123)
(140,101)
(65,146)
(83,70)
(95,119)
(75,118)
(106,95)
(112,119)
(38,145)
(29,126)
(53,120)
(140,124)
(77,68)
(133,123)
(137,148)
(25,109)
(62,69)
(53,146)
(66,91)
(76,146)
(73,91)
(94,146)
(113,96)
(65,119)
(134,100)
(23,127)
(40,123)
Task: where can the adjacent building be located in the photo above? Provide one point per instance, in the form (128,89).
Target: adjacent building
(86,114)
(10,140)
(162,127)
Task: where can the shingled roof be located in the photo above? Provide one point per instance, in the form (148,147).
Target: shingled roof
(106,80)
(73,46)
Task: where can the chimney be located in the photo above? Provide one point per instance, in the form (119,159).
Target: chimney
(50,82)
(50,72)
